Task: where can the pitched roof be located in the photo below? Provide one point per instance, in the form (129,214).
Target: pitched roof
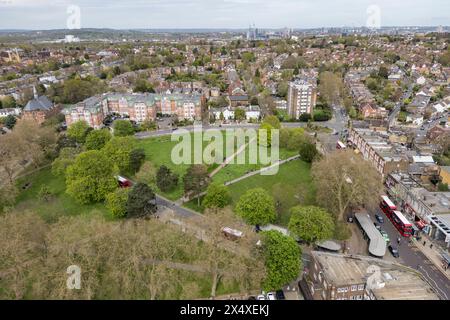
(41,103)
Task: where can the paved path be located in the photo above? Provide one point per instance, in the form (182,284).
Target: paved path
(253,173)
(229,159)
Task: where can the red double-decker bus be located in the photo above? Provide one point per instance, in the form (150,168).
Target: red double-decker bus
(397,218)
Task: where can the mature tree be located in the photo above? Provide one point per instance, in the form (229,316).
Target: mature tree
(256,207)
(10,156)
(35,142)
(66,158)
(343,180)
(273,121)
(147,173)
(9,102)
(97,139)
(330,87)
(311,224)
(166,180)
(239,114)
(217,196)
(296,139)
(117,201)
(23,246)
(91,177)
(282,260)
(196,180)
(123,128)
(141,201)
(308,151)
(267,130)
(226,261)
(10,121)
(137,158)
(119,149)
(78,131)
(143,85)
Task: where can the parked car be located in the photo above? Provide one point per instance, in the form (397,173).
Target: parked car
(271,296)
(379,218)
(280,295)
(394,251)
(261,297)
(377,226)
(385,236)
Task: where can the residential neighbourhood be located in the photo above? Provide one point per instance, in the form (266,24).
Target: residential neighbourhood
(225,164)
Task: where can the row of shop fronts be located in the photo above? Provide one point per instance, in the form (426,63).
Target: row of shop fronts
(429,211)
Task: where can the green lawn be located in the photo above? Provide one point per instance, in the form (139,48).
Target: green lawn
(291,186)
(61,203)
(158,150)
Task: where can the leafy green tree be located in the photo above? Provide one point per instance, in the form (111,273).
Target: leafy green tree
(267,128)
(217,196)
(311,224)
(165,179)
(196,180)
(137,158)
(141,201)
(273,121)
(116,202)
(65,159)
(256,207)
(308,151)
(123,128)
(143,85)
(91,177)
(9,102)
(119,149)
(296,139)
(10,121)
(239,114)
(97,139)
(282,259)
(78,131)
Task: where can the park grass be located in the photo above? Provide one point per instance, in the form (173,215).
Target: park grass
(158,150)
(291,186)
(60,204)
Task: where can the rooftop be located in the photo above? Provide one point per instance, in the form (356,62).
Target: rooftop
(400,282)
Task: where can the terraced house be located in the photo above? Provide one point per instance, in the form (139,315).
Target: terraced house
(138,107)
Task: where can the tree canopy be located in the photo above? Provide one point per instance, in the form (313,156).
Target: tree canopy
(311,224)
(91,177)
(256,206)
(282,260)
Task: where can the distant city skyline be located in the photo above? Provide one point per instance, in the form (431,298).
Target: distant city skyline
(221,14)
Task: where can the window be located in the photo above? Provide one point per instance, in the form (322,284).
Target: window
(354,288)
(360,287)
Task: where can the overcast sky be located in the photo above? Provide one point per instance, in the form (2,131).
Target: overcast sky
(124,14)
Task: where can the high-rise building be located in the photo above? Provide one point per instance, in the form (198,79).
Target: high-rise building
(302,96)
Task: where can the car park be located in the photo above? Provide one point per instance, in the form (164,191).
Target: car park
(394,251)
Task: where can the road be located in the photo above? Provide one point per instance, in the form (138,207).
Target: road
(412,257)
(398,106)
